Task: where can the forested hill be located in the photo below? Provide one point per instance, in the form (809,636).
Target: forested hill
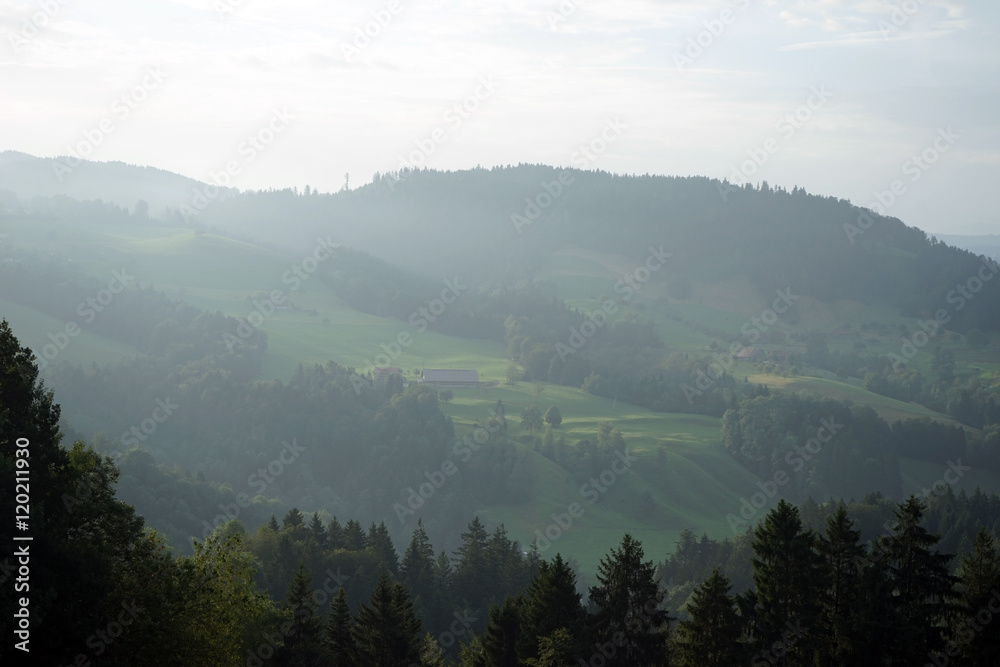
(497,225)
(492,225)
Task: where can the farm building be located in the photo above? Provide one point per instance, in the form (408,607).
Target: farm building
(448,377)
(751,354)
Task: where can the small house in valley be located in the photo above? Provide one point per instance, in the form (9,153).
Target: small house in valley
(751,354)
(449,377)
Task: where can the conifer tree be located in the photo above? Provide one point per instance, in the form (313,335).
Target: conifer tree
(303,641)
(471,574)
(293,519)
(787,580)
(551,603)
(839,626)
(317,529)
(418,573)
(338,639)
(354,536)
(503,632)
(335,535)
(712,635)
(387,632)
(380,545)
(979,574)
(920,587)
(629,624)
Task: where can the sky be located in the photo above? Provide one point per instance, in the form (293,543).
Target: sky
(889,104)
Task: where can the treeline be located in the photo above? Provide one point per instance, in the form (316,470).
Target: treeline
(967,401)
(483,569)
(325,439)
(954,517)
(814,597)
(811,447)
(824,448)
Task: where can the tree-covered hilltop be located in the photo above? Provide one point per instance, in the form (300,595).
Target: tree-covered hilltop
(497,225)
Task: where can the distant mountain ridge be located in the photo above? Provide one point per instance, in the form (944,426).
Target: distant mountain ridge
(28,176)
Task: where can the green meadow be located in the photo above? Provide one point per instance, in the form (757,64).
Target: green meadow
(693,483)
(682,477)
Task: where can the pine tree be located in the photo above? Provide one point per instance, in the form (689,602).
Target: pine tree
(292,519)
(470,576)
(354,536)
(503,632)
(711,637)
(787,579)
(317,530)
(273,524)
(979,573)
(417,573)
(335,535)
(303,641)
(444,575)
(551,603)
(503,567)
(629,624)
(380,545)
(921,589)
(685,562)
(843,555)
(338,639)
(387,632)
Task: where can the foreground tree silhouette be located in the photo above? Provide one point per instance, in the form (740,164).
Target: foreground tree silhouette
(841,601)
(418,572)
(920,589)
(387,632)
(979,572)
(92,563)
(712,635)
(337,637)
(787,579)
(303,640)
(503,634)
(552,604)
(629,627)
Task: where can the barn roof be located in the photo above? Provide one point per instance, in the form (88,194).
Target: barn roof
(450,375)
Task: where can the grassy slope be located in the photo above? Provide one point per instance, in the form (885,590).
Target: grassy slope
(693,484)
(33,328)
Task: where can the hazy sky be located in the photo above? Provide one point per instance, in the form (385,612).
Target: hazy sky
(690,88)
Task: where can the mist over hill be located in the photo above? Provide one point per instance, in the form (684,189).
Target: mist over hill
(685,357)
(25,177)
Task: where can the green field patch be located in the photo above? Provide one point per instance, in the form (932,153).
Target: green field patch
(33,328)
(889,409)
(690,481)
